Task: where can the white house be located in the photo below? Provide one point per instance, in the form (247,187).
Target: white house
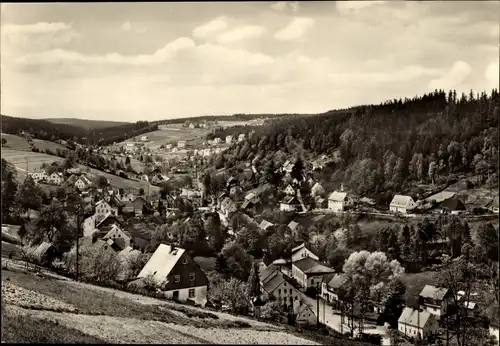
(401,204)
(216,140)
(83,183)
(181,144)
(88,226)
(309,272)
(102,208)
(229,139)
(337,201)
(301,252)
(39,176)
(494,331)
(168,146)
(241,137)
(144,138)
(435,300)
(331,286)
(56,178)
(306,316)
(181,277)
(412,323)
(289,203)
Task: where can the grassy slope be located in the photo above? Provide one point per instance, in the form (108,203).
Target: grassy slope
(27,329)
(85,123)
(19,143)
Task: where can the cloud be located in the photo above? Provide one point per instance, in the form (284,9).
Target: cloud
(352,6)
(37,36)
(126,26)
(215,26)
(282,6)
(60,56)
(241,33)
(492,74)
(295,29)
(453,78)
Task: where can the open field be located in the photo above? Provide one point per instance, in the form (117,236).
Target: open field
(34,160)
(19,143)
(137,165)
(85,123)
(172,135)
(43,145)
(118,317)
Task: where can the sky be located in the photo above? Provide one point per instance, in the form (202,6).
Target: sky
(155,61)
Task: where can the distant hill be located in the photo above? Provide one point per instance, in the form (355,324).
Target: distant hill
(85,123)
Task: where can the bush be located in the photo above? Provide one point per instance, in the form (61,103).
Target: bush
(272,311)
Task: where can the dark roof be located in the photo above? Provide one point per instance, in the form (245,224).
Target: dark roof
(290,200)
(453,203)
(309,265)
(268,271)
(436,293)
(336,281)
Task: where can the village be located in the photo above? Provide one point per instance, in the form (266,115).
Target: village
(309,289)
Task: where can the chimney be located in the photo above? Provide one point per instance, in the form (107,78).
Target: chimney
(341,187)
(172,248)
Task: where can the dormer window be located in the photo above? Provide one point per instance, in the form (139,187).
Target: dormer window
(184,260)
(191,276)
(177,278)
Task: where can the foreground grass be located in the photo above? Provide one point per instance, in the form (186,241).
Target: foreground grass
(27,329)
(94,302)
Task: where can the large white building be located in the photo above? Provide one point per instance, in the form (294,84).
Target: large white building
(338,201)
(309,272)
(401,204)
(411,323)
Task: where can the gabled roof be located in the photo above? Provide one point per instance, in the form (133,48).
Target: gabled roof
(290,200)
(436,293)
(337,281)
(413,317)
(317,186)
(264,274)
(309,265)
(440,196)
(270,285)
(265,224)
(297,248)
(401,201)
(162,262)
(453,203)
(337,196)
(293,225)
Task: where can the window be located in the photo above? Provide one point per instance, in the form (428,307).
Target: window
(290,291)
(284,284)
(191,276)
(176,295)
(279,291)
(177,278)
(184,260)
(191,293)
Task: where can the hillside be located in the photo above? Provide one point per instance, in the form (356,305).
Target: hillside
(47,130)
(86,123)
(386,148)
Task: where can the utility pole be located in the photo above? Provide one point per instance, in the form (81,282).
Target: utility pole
(77,242)
(317,305)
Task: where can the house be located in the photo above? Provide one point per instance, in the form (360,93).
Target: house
(251,201)
(331,288)
(56,178)
(268,273)
(452,206)
(338,201)
(83,183)
(116,233)
(127,197)
(412,323)
(182,278)
(368,201)
(144,138)
(293,227)
(39,176)
(135,206)
(493,329)
(309,272)
(321,203)
(317,190)
(401,204)
(493,205)
(159,179)
(290,203)
(181,144)
(435,300)
(168,146)
(216,141)
(289,190)
(305,316)
(280,288)
(102,208)
(232,181)
(88,226)
(229,139)
(440,197)
(241,137)
(106,223)
(264,225)
(300,252)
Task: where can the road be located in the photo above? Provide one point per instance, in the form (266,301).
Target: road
(328,317)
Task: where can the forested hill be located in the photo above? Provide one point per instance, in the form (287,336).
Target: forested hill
(384,147)
(234,117)
(43,129)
